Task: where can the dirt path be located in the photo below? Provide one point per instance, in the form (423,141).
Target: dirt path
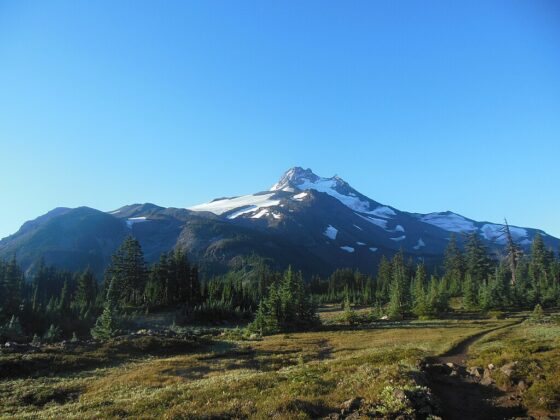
(461,395)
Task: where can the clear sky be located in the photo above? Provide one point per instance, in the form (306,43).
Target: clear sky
(423,105)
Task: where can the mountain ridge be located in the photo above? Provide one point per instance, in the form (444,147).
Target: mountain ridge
(314,223)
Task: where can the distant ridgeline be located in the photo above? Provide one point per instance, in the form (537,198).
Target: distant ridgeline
(316,225)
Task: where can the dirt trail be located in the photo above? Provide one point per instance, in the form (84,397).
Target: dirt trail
(461,395)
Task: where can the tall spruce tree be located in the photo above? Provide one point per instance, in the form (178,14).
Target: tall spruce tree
(128,269)
(399,301)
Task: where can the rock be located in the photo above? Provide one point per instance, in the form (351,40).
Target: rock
(487,373)
(351,405)
(522,386)
(384,318)
(476,371)
(491,366)
(451,365)
(486,381)
(253,336)
(508,368)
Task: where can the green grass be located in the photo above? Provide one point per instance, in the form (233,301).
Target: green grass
(298,375)
(536,348)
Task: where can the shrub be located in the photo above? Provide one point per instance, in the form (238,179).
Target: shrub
(53,334)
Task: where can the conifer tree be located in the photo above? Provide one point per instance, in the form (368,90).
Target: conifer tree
(128,268)
(399,297)
(86,291)
(470,293)
(106,325)
(419,304)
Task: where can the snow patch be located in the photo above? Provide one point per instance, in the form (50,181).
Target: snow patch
(383,211)
(360,243)
(243,204)
(300,196)
(494,232)
(358,227)
(260,214)
(449,221)
(347,248)
(328,186)
(399,228)
(378,222)
(419,244)
(330,232)
(132,220)
(400,238)
(372,249)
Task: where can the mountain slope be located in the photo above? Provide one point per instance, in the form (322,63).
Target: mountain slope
(316,224)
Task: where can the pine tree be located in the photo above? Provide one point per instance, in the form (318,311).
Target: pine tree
(513,252)
(454,265)
(106,325)
(538,313)
(399,299)
(477,262)
(86,291)
(128,268)
(384,278)
(12,287)
(470,293)
(349,316)
(53,334)
(419,292)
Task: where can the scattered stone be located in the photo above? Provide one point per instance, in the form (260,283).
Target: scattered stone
(351,405)
(384,318)
(491,366)
(486,381)
(508,368)
(476,371)
(451,365)
(522,386)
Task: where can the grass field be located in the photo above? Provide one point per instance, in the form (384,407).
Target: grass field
(535,350)
(297,375)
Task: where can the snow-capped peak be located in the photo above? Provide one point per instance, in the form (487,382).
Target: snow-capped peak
(293,178)
(299,179)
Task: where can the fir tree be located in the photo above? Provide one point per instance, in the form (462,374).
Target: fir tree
(106,325)
(399,298)
(419,305)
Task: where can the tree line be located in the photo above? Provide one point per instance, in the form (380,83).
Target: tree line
(481,280)
(54,303)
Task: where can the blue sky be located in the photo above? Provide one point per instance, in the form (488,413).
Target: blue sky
(426,106)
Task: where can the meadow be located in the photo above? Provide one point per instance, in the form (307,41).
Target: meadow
(373,370)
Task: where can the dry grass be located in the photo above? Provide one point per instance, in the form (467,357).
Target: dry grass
(283,376)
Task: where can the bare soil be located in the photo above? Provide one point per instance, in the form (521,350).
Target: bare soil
(460,394)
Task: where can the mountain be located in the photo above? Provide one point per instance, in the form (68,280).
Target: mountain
(315,224)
